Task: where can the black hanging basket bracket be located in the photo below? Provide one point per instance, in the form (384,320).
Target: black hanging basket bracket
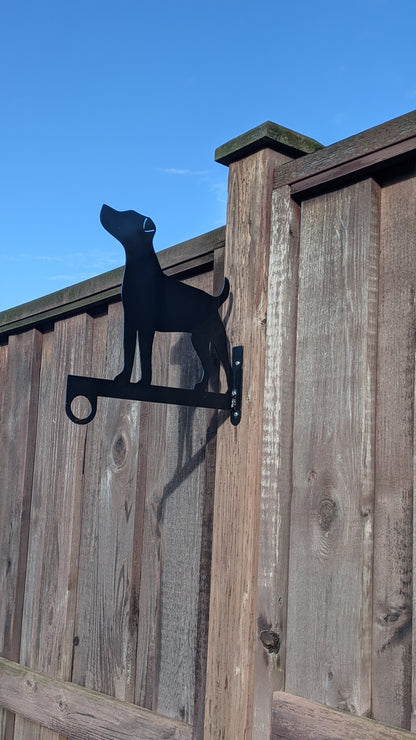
(152,302)
(92,388)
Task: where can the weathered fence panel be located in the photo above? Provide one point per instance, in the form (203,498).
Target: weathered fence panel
(169,560)
(52,561)
(20,366)
(109,567)
(109,525)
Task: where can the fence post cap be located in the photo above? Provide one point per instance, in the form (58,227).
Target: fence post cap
(268,135)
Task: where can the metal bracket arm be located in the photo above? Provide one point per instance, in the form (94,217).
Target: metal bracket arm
(92,388)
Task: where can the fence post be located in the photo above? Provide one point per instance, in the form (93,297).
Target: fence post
(229,706)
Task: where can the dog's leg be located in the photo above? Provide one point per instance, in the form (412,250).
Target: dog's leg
(145,348)
(219,342)
(129,350)
(200,341)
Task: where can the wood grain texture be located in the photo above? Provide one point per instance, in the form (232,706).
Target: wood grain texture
(295,718)
(79,713)
(20,367)
(108,584)
(51,577)
(276,476)
(392,613)
(328,657)
(233,606)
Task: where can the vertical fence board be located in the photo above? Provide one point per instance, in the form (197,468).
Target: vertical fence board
(392,617)
(181,521)
(328,656)
(232,631)
(172,537)
(181,518)
(4,349)
(51,579)
(413,715)
(208,487)
(20,379)
(276,481)
(149,600)
(106,623)
(17,441)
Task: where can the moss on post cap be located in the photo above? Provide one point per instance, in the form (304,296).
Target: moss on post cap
(268,135)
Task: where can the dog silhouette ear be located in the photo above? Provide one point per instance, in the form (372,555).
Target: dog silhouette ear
(148,225)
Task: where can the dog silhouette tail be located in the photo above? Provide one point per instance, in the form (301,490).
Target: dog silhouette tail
(222,297)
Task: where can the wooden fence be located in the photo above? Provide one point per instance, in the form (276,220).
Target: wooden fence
(164,574)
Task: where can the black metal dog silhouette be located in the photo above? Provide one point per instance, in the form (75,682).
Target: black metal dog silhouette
(153,301)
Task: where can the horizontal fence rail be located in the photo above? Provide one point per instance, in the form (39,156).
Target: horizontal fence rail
(294,718)
(78,713)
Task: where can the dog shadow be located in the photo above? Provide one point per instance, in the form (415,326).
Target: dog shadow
(184,357)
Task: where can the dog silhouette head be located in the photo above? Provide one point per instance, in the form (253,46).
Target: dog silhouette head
(128,227)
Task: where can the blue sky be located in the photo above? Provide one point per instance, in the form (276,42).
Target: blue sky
(125,102)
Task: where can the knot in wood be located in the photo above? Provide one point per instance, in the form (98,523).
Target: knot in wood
(31,683)
(119,450)
(326,513)
(270,641)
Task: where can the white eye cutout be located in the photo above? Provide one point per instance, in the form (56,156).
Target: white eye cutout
(148,231)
